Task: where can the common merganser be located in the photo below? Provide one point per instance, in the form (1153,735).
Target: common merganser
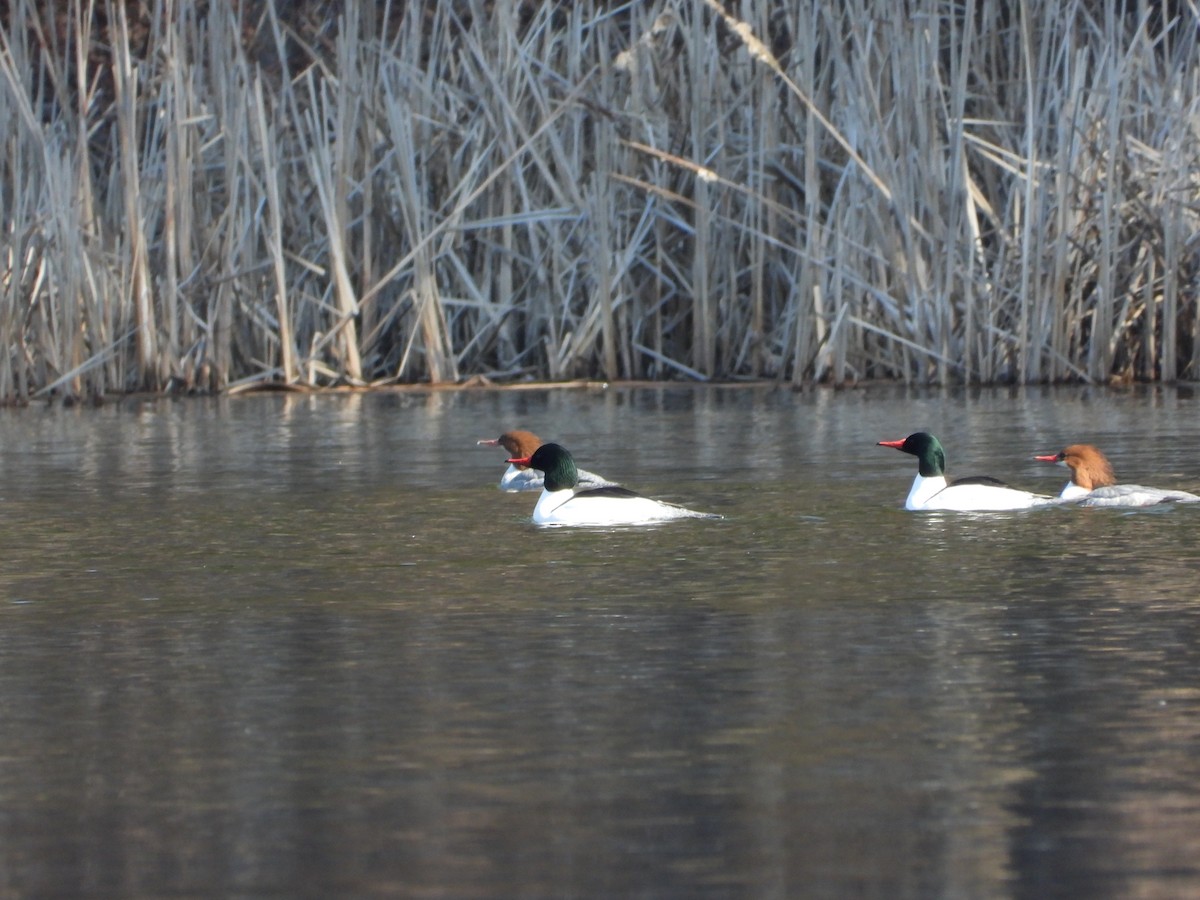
(522,478)
(931,490)
(1093,482)
(564,502)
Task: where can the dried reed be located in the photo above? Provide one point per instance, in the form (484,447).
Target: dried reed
(200,196)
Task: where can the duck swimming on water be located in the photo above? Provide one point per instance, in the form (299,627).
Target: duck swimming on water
(931,490)
(564,501)
(521,444)
(1094,484)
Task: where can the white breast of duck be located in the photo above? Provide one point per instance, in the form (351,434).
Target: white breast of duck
(610,505)
(973,494)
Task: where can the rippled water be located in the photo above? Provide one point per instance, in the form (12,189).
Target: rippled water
(301,646)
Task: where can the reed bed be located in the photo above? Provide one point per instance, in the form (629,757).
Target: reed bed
(212,196)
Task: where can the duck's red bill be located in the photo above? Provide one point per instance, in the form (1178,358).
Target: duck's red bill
(523,461)
(896,444)
(1046,458)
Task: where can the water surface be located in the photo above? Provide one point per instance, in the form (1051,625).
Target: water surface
(291,645)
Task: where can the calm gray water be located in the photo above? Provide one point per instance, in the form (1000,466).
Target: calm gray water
(281,646)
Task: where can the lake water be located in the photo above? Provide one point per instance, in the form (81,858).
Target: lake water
(287,645)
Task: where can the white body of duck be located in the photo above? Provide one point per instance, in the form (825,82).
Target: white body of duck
(521,444)
(931,490)
(1094,484)
(565,502)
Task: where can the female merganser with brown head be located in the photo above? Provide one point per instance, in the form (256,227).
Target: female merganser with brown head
(1094,484)
(565,502)
(521,444)
(931,490)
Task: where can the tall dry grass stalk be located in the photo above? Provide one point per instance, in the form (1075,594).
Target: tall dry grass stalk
(218,195)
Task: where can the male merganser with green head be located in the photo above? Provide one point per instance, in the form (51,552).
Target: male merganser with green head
(522,478)
(1094,484)
(565,502)
(931,490)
